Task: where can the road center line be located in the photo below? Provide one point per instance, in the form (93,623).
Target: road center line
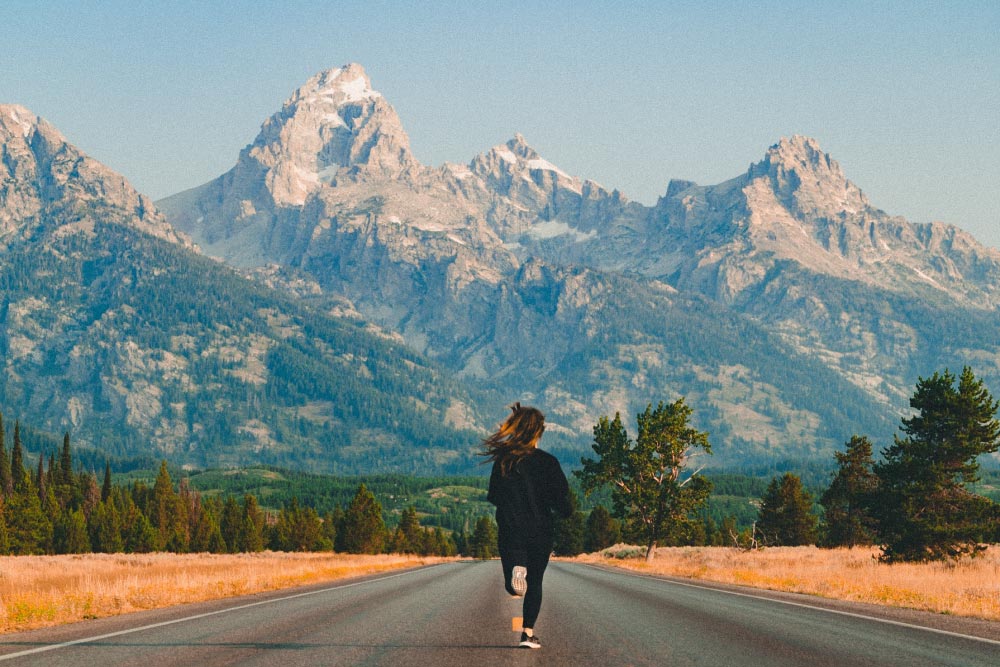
(86,640)
(800,604)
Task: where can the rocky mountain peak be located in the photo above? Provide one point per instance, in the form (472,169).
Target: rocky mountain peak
(42,172)
(335,126)
(806,181)
(16,120)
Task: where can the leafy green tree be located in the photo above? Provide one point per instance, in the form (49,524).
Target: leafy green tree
(924,508)
(569,532)
(602,531)
(786,515)
(483,542)
(847,519)
(647,491)
(363,531)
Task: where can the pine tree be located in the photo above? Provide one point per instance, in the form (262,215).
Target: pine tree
(786,515)
(168,515)
(106,529)
(364,529)
(602,530)
(66,463)
(411,535)
(77,541)
(106,486)
(924,508)
(483,543)
(6,479)
(18,473)
(254,523)
(647,491)
(846,502)
(232,527)
(568,533)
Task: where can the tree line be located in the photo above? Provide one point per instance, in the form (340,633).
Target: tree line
(54,509)
(915,502)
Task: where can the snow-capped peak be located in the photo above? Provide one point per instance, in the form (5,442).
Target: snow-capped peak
(17,119)
(342,85)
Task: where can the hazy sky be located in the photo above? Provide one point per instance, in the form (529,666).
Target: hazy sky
(905,95)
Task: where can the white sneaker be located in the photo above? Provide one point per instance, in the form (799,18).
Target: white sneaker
(519,580)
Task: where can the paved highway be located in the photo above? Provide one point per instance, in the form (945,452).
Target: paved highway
(458,614)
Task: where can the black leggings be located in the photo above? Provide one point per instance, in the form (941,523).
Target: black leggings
(533,554)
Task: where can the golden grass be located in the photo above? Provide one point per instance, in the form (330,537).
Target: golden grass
(968,588)
(39,591)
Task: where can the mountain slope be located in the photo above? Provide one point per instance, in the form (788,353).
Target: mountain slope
(790,310)
(113,329)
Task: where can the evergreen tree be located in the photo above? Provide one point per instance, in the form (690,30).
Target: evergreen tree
(645,477)
(168,515)
(602,531)
(786,516)
(298,529)
(847,501)
(924,508)
(29,531)
(329,528)
(106,529)
(409,536)
(483,543)
(568,534)
(4,539)
(254,523)
(6,480)
(66,463)
(74,538)
(232,527)
(364,529)
(106,486)
(18,473)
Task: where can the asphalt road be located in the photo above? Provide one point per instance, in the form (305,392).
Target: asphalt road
(458,614)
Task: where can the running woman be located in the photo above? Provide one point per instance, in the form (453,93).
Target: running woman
(528,487)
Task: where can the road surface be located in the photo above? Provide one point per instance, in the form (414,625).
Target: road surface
(458,614)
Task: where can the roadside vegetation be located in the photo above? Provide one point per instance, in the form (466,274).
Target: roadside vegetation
(970,587)
(40,591)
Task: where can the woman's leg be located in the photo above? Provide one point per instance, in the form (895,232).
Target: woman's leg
(538,559)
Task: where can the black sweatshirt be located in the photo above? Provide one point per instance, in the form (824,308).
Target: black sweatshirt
(529,494)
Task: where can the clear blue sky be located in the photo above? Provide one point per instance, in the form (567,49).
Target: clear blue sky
(905,95)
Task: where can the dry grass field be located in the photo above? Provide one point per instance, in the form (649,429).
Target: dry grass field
(38,591)
(967,588)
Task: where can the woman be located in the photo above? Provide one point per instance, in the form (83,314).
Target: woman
(527,486)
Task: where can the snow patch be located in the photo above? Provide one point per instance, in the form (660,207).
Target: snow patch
(357,90)
(552,228)
(459,171)
(506,155)
(545,165)
(24,125)
(456,239)
(327,173)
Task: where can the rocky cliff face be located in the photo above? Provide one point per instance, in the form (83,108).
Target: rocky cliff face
(41,173)
(537,284)
(114,329)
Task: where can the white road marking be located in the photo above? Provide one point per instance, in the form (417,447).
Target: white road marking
(802,604)
(86,640)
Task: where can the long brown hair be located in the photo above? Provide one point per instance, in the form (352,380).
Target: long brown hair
(516,437)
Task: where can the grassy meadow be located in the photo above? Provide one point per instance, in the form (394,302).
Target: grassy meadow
(969,587)
(40,591)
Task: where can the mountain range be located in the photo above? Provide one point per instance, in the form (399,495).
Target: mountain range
(788,310)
